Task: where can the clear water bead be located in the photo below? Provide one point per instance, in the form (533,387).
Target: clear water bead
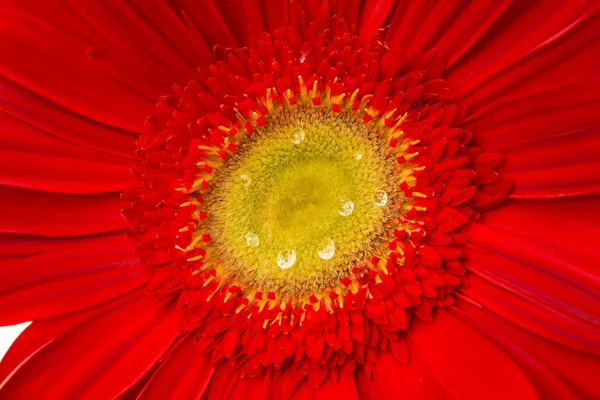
(328,250)
(252,240)
(297,135)
(346,208)
(286,259)
(246,180)
(380,198)
(358,155)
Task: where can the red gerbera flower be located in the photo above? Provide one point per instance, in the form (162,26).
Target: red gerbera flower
(344,199)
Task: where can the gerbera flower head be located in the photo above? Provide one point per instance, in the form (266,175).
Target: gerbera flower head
(296,186)
(308,203)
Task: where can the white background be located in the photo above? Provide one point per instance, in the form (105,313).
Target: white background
(8,334)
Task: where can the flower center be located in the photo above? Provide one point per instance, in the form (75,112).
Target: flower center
(302,201)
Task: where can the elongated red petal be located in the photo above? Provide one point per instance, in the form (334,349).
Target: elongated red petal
(62,282)
(223,382)
(43,332)
(413,380)
(466,363)
(64,17)
(373,14)
(208,21)
(111,363)
(174,382)
(547,45)
(18,245)
(31,158)
(136,70)
(567,226)
(69,77)
(259,387)
(537,288)
(164,35)
(452,27)
(556,371)
(59,122)
(344,387)
(50,214)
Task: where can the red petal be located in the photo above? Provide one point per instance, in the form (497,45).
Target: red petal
(529,118)
(23,245)
(533,286)
(68,78)
(63,282)
(549,43)
(43,332)
(567,226)
(50,214)
(62,123)
(257,387)
(535,316)
(183,375)
(136,70)
(451,27)
(104,356)
(556,371)
(372,16)
(30,158)
(530,229)
(549,139)
(562,180)
(224,381)
(394,379)
(235,18)
(254,14)
(344,388)
(165,35)
(63,16)
(276,13)
(467,364)
(208,21)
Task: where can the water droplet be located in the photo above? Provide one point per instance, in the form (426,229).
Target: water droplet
(380,198)
(358,155)
(363,275)
(327,250)
(346,208)
(286,259)
(252,239)
(303,56)
(297,135)
(246,180)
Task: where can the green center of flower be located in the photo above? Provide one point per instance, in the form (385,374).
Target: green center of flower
(302,201)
